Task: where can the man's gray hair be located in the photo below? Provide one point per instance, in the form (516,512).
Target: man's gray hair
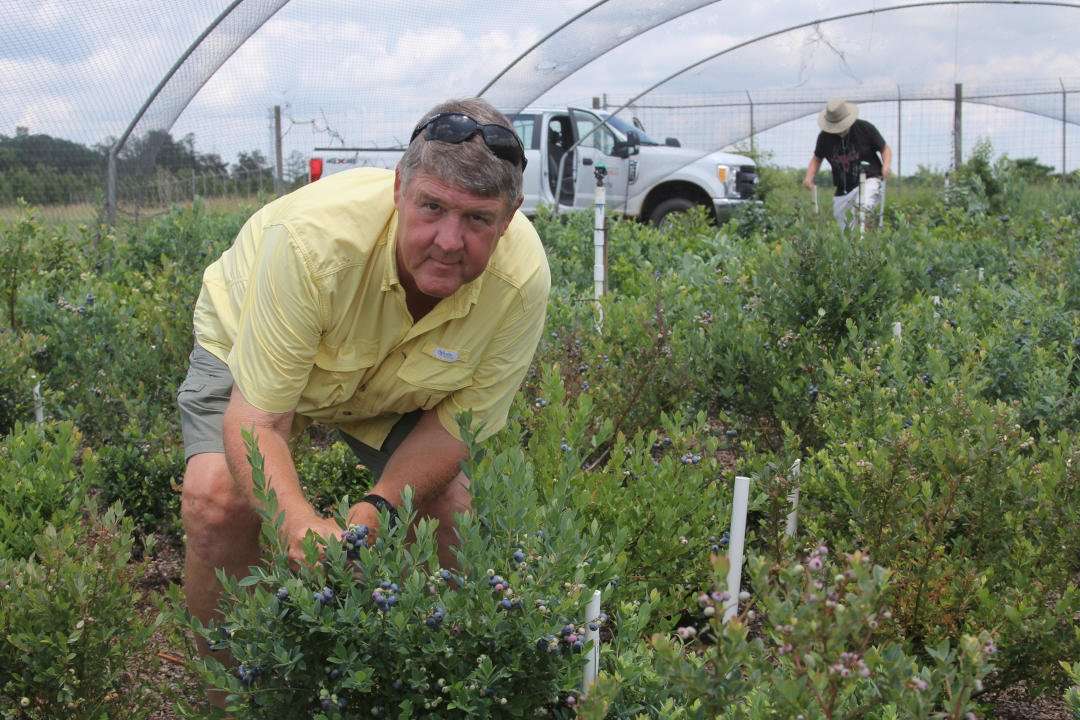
(469,165)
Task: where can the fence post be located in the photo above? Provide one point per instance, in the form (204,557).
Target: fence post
(751,101)
(110,192)
(899,133)
(958,99)
(279,175)
(1064,119)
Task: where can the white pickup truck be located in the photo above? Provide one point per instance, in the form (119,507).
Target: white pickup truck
(645,179)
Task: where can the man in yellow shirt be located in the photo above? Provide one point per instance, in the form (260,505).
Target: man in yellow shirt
(382,303)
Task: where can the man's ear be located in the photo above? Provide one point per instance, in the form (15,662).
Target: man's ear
(510,216)
(397,188)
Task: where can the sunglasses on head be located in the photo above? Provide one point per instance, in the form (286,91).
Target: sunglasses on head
(453,127)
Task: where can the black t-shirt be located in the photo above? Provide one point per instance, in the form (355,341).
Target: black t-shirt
(862,143)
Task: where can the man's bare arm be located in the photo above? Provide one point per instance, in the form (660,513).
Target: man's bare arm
(886,161)
(427,460)
(811,171)
(272,431)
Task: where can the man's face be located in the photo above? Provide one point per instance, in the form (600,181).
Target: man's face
(445,235)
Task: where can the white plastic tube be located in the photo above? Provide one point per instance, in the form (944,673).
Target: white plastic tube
(735,546)
(592,663)
(793,497)
(39,404)
(897,330)
(598,243)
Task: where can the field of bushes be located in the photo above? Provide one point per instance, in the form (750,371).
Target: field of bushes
(926,377)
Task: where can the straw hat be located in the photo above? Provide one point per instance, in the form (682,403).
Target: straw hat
(837,116)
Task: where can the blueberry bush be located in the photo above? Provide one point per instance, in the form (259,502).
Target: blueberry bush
(926,377)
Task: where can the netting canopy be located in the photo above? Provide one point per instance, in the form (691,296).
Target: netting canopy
(207,77)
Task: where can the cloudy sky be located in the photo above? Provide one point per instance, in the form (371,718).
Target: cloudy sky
(364,71)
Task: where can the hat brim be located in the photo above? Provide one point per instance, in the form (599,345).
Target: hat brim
(841,126)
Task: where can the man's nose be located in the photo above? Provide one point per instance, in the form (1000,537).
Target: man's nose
(450,237)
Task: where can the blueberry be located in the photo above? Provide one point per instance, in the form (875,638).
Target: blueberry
(731,434)
(593,626)
(445,575)
(506,603)
(432,622)
(568,630)
(392,600)
(519,557)
(812,392)
(283,594)
(565,447)
(725,538)
(327,704)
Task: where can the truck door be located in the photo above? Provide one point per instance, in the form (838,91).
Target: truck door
(597,148)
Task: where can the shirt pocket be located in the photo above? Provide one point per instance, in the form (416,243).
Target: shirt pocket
(432,373)
(336,376)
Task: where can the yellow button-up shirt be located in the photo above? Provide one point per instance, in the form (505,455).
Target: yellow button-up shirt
(307,311)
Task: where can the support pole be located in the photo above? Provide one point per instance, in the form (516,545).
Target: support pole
(958,100)
(792,525)
(739,504)
(279,174)
(1064,122)
(110,191)
(751,101)
(39,404)
(899,133)
(592,663)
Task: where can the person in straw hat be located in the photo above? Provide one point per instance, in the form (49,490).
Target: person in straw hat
(846,142)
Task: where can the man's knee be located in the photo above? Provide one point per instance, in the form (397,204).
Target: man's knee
(454,498)
(213,509)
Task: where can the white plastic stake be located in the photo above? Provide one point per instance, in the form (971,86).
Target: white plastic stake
(813,191)
(39,404)
(735,547)
(862,204)
(897,330)
(793,497)
(980,274)
(598,243)
(592,663)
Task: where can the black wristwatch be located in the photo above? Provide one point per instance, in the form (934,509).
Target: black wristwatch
(382,503)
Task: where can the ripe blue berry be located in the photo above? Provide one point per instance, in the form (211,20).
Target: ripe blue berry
(283,594)
(519,557)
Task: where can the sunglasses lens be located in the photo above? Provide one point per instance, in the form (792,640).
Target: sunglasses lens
(452,128)
(456,128)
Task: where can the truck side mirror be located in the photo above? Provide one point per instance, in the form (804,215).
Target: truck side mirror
(672,142)
(631,146)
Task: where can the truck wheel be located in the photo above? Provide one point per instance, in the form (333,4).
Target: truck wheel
(672,205)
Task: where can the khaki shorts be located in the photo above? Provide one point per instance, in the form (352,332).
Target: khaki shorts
(204,395)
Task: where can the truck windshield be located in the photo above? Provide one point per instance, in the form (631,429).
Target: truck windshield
(622,127)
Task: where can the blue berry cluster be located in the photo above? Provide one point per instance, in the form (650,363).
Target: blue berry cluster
(247,675)
(330,702)
(717,544)
(282,594)
(385,596)
(691,458)
(355,539)
(435,619)
(519,556)
(324,596)
(224,634)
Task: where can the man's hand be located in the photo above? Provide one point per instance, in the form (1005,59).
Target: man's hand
(295,530)
(808,183)
(363,513)
(885,172)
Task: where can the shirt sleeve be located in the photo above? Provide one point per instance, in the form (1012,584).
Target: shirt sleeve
(280,326)
(876,141)
(501,370)
(820,147)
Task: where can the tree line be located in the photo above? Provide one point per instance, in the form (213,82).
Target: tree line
(46,170)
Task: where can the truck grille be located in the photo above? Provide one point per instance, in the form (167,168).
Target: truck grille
(746,180)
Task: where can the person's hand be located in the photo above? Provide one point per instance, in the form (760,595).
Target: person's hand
(363,513)
(808,183)
(295,530)
(885,172)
